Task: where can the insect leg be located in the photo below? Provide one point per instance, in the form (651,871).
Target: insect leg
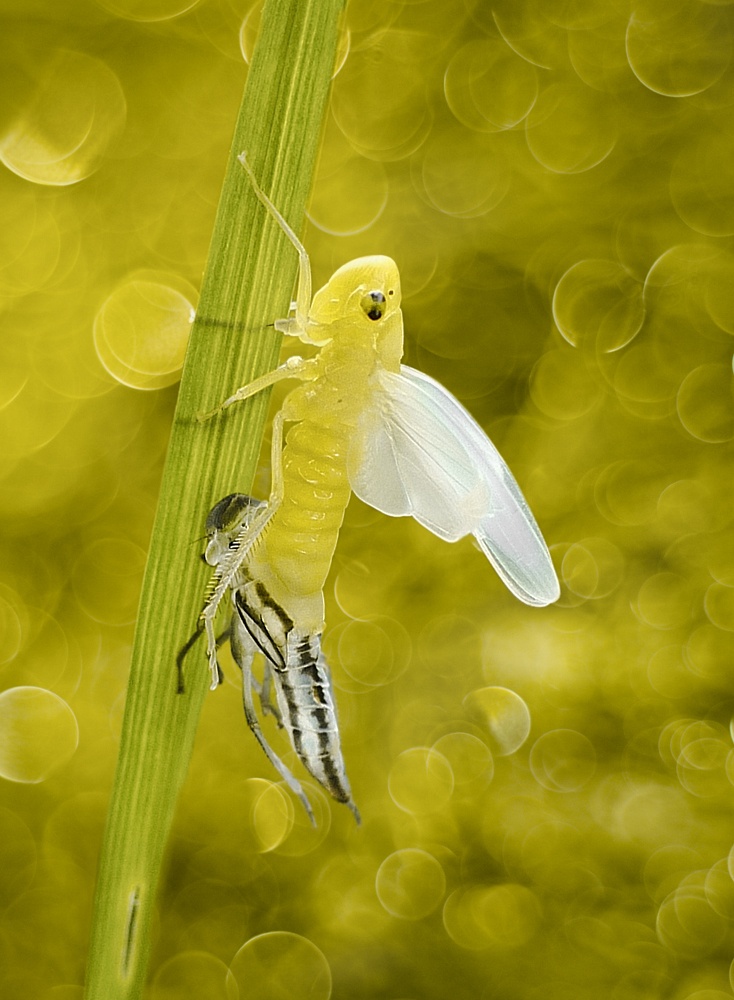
(241,546)
(296,326)
(263,691)
(182,655)
(295,367)
(244,656)
(187,646)
(248,627)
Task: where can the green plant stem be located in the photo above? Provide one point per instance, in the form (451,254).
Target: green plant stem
(247,284)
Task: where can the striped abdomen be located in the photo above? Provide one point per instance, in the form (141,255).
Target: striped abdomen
(306,704)
(302,684)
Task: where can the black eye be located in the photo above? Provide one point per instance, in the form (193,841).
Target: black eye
(374,305)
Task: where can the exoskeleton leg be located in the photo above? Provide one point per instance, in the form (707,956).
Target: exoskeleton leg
(251,530)
(264,693)
(243,650)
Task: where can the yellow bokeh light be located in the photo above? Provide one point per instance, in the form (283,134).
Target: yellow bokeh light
(505,714)
(280,964)
(545,793)
(38,734)
(75,112)
(410,884)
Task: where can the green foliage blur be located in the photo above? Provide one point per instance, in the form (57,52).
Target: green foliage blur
(546,794)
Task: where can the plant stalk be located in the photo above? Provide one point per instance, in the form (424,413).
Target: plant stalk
(248,283)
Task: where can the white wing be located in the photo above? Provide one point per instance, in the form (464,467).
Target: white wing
(421,453)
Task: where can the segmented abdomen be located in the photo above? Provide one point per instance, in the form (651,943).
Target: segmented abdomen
(307,709)
(300,542)
(301,681)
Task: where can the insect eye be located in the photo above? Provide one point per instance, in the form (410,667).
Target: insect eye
(373,305)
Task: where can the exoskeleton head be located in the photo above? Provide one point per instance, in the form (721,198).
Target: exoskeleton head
(225,521)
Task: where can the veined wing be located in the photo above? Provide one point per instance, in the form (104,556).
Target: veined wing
(421,453)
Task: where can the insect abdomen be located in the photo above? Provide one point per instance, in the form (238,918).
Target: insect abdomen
(307,709)
(300,543)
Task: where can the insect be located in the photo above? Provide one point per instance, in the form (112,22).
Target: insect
(295,668)
(362,423)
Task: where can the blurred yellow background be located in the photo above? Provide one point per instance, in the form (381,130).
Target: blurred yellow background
(546,795)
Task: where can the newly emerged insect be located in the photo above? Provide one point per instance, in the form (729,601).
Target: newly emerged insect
(366,424)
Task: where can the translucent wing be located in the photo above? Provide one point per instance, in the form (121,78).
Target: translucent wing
(421,453)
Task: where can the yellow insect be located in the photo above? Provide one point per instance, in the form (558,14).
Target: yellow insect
(362,423)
